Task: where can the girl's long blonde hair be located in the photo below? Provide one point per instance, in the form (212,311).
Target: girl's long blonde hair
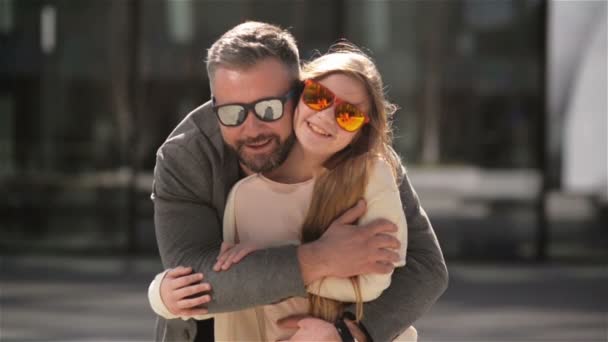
(347,172)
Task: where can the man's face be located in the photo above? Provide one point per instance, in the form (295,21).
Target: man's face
(261,146)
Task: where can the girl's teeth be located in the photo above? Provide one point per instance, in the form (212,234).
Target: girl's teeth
(318,130)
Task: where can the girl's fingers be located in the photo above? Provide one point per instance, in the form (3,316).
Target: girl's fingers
(217,267)
(190,303)
(183,281)
(228,261)
(221,259)
(242,253)
(179,271)
(231,255)
(226,265)
(224,247)
(192,290)
(224,252)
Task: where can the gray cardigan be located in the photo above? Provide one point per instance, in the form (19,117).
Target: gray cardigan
(192,178)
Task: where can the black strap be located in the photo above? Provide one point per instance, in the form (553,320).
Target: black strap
(343,331)
(350,316)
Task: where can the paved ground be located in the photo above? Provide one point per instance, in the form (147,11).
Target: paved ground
(104,299)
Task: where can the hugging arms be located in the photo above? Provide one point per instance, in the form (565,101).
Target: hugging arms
(188,227)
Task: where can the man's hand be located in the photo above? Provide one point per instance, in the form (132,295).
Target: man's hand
(310,329)
(314,329)
(346,250)
(178,289)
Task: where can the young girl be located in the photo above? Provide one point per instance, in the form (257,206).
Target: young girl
(343,153)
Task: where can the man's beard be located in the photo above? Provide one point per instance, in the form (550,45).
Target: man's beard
(268,161)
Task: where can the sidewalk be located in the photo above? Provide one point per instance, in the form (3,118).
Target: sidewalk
(104,299)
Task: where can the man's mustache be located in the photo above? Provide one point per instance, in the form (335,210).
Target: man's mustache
(256,139)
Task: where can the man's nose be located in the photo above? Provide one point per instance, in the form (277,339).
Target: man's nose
(252,121)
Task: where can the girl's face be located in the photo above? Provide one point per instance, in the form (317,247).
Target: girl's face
(317,131)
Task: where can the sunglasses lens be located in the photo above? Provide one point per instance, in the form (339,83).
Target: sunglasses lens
(316,97)
(269,110)
(349,117)
(231,115)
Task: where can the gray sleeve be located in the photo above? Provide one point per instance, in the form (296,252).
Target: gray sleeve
(189,233)
(414,287)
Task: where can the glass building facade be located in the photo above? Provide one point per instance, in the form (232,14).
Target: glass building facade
(90,89)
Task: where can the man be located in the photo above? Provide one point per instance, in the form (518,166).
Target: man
(202,159)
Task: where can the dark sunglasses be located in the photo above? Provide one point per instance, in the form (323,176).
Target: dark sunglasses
(267,109)
(317,97)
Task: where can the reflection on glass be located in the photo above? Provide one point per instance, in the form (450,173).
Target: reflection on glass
(6,16)
(180,18)
(48,25)
(487,15)
(378,29)
(7,135)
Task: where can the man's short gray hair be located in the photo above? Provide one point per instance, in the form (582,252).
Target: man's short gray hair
(247,44)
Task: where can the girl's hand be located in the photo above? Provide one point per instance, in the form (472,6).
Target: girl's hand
(182,292)
(231,254)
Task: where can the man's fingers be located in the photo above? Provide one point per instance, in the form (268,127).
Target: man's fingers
(383,240)
(192,302)
(381,268)
(387,256)
(179,271)
(379,226)
(290,322)
(180,282)
(192,312)
(353,214)
(191,290)
(307,322)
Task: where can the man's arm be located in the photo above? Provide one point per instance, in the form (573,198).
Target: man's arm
(415,287)
(189,233)
(383,202)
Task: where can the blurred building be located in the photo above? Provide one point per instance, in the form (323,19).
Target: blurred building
(492,94)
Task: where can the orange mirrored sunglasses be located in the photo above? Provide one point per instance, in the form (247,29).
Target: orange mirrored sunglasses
(317,97)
